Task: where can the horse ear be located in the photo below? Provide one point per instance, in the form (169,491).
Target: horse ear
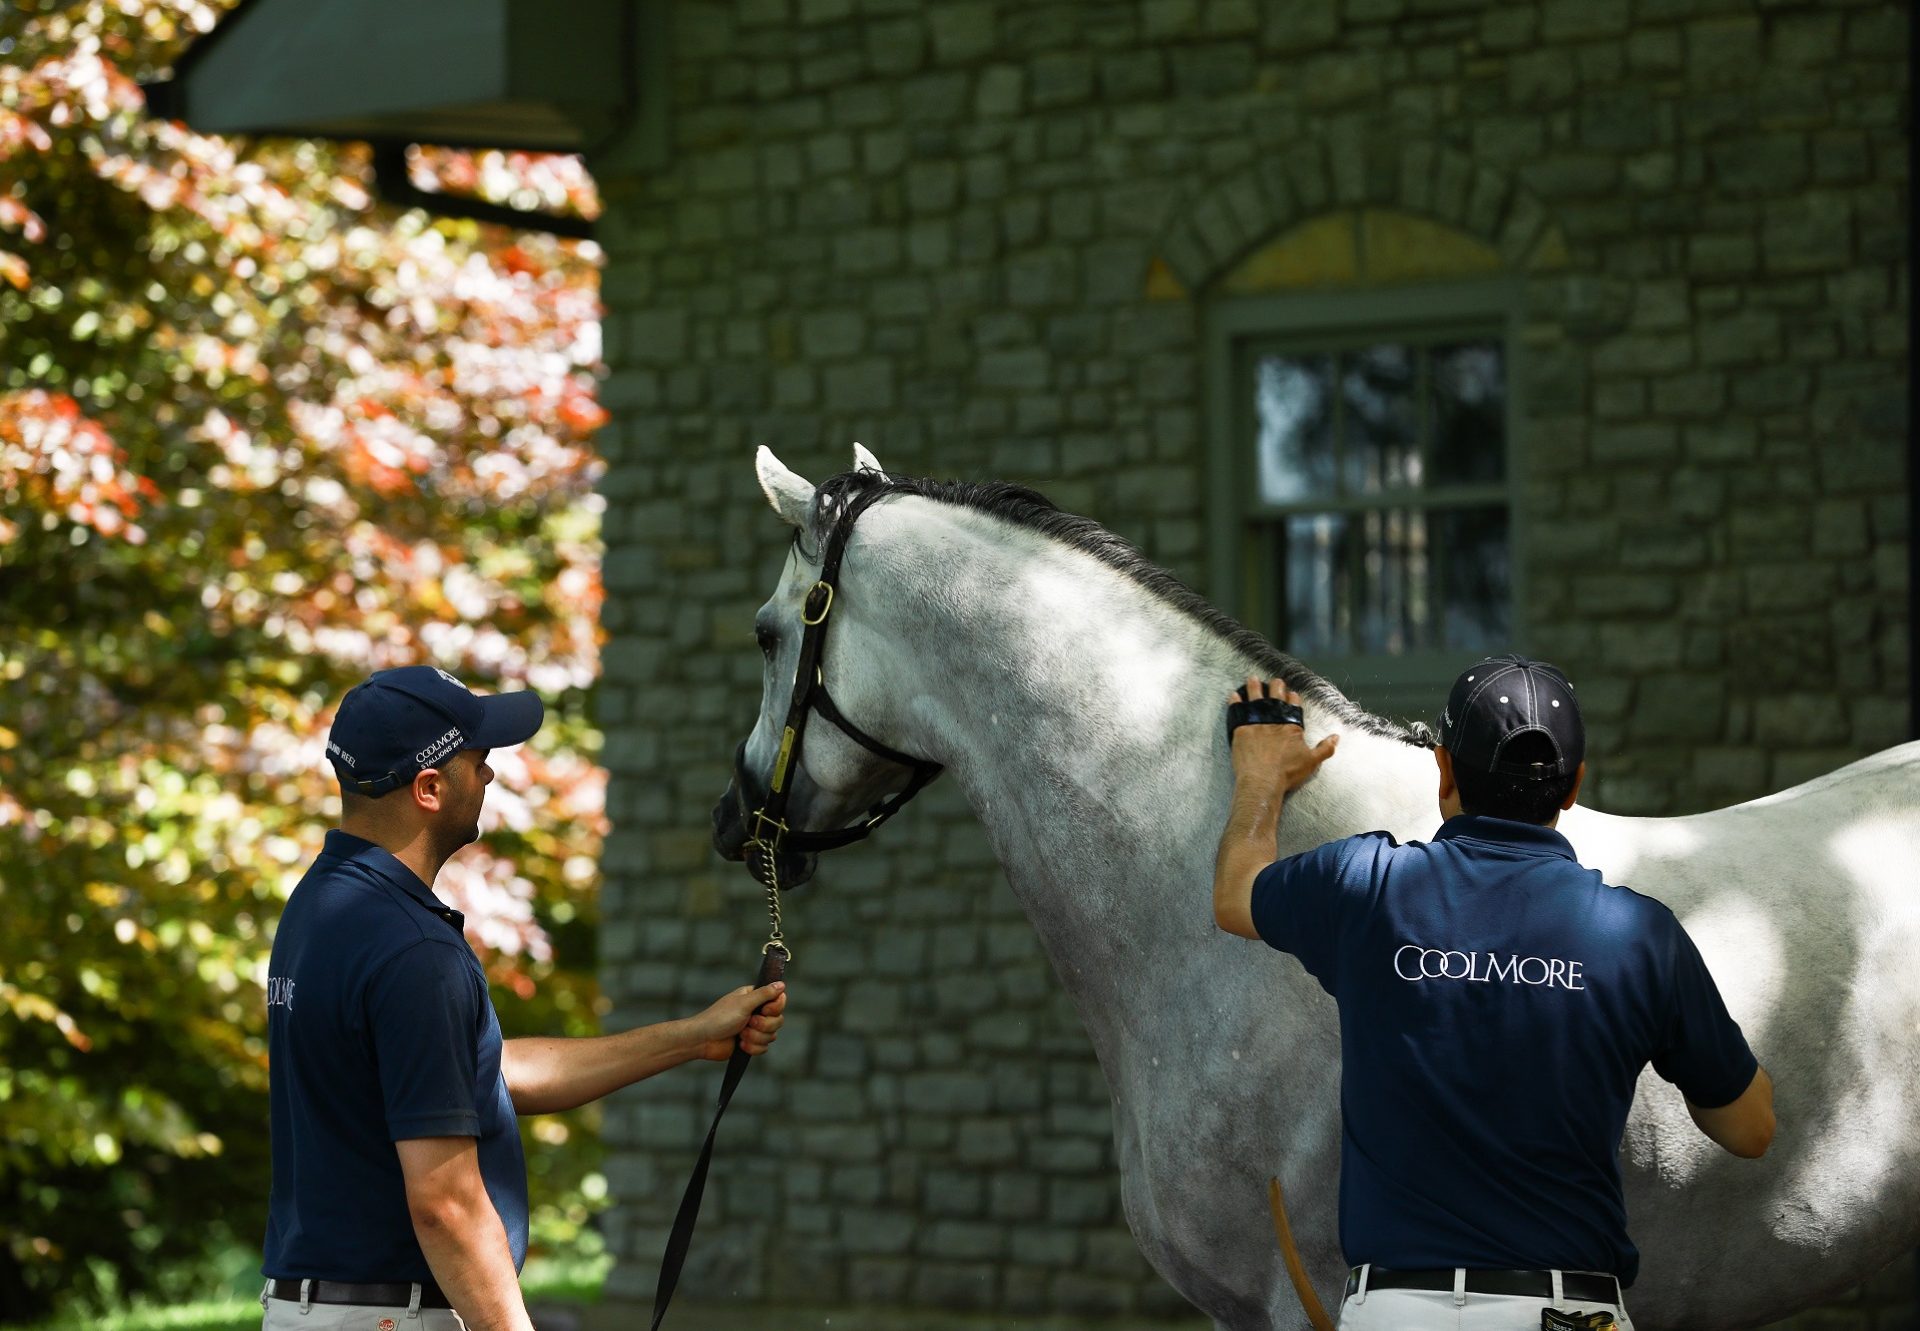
(790,495)
(866,461)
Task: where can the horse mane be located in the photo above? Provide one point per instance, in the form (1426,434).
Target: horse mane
(1029,509)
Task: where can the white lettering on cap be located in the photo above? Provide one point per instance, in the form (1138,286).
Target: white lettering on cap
(343,755)
(439,749)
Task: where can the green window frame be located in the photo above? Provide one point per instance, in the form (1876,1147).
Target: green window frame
(1250,527)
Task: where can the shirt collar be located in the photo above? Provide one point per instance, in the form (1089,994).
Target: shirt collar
(1527,838)
(387,865)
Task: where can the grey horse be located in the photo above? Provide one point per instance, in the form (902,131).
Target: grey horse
(1073,692)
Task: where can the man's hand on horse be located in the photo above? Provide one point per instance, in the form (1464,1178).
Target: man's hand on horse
(1276,749)
(748,1016)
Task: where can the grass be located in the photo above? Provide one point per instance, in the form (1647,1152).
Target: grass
(545,1280)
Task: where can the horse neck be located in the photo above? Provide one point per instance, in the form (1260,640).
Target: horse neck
(1083,717)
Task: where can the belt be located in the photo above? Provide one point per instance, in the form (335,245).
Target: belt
(372,1296)
(1575,1286)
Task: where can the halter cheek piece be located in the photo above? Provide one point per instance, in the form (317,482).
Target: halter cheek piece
(765,815)
(768,834)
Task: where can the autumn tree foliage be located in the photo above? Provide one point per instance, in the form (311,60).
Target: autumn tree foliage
(259,436)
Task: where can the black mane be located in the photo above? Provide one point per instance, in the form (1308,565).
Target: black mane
(1028,508)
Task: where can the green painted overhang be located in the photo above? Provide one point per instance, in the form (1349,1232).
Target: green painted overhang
(543,75)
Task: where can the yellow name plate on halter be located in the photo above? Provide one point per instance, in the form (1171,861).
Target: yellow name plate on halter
(780,763)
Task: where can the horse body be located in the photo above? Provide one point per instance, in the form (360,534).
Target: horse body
(1082,717)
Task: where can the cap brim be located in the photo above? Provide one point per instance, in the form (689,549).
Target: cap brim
(507,719)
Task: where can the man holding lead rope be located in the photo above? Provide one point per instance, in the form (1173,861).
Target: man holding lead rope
(1497,1003)
(399,1191)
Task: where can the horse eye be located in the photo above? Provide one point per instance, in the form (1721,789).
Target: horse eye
(767,639)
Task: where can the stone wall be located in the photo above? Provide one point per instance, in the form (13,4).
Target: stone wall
(982,238)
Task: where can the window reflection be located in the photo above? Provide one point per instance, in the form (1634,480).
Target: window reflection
(1399,424)
(1317,579)
(1381,420)
(1469,413)
(1477,584)
(1294,408)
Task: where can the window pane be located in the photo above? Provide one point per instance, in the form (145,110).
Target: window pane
(1382,452)
(1293,401)
(1476,576)
(1318,572)
(1469,413)
(1393,610)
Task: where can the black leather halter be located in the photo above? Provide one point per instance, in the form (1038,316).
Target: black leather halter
(767,830)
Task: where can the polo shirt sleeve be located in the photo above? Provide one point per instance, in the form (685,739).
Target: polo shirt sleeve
(1299,904)
(424,1008)
(1702,1049)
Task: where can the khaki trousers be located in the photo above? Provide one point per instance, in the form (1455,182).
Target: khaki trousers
(1438,1310)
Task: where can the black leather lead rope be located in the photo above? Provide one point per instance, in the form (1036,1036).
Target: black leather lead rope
(768,834)
(773,966)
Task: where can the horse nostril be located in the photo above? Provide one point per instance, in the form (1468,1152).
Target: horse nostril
(729,834)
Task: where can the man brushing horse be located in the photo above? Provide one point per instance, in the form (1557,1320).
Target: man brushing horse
(1497,1004)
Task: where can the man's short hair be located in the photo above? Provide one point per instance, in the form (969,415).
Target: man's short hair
(353,802)
(1521,799)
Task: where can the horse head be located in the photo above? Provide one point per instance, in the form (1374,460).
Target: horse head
(796,787)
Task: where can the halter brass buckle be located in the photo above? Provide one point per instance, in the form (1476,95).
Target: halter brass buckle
(758,836)
(825,606)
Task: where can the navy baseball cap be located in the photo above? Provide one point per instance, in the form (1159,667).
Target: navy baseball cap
(1507,696)
(402,721)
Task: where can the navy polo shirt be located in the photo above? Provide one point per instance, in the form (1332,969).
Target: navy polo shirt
(379,1029)
(1497,1003)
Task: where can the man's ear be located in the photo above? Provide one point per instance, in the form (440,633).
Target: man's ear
(429,789)
(790,495)
(1445,762)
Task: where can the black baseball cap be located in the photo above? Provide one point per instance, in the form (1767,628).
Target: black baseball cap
(1507,696)
(402,721)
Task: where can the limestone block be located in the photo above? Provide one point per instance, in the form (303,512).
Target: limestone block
(1622,593)
(1878,31)
(1810,233)
(1714,256)
(1791,769)
(1073,1201)
(876,1231)
(963,1240)
(896,46)
(988,1141)
(940,1284)
(1637,442)
(1877,723)
(1541,78)
(1639,647)
(1804,39)
(1000,92)
(1303,26)
(1654,50)
(953,1193)
(1723,52)
(1063,78)
(880,1281)
(1127,76)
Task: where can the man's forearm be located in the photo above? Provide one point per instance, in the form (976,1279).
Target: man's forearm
(466,1246)
(548,1074)
(1246,846)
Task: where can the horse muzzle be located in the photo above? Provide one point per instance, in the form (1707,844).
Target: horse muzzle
(733,842)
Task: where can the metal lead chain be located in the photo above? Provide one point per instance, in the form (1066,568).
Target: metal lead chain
(774,938)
